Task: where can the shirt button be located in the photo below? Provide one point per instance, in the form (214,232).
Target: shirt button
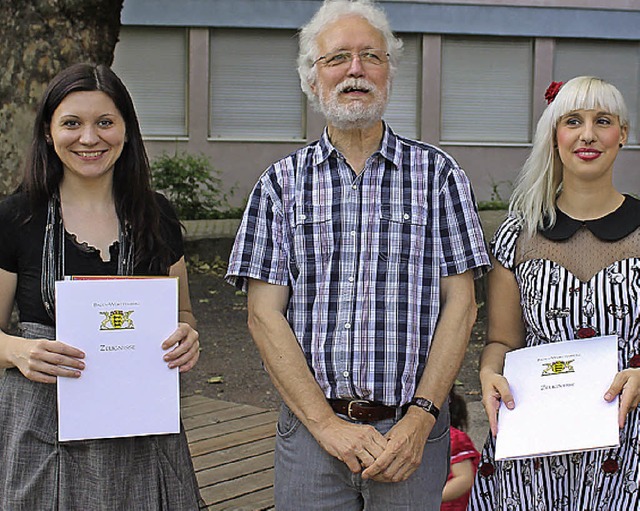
(407,216)
(347,326)
(355,187)
(345,374)
(303,217)
(351,279)
(353,233)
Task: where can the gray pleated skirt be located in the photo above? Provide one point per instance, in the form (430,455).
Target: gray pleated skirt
(37,473)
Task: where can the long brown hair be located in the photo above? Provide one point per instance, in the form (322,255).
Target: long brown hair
(135,202)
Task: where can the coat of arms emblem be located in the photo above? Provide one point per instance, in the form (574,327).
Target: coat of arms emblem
(117,320)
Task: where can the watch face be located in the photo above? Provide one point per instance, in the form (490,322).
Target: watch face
(424,403)
(427,404)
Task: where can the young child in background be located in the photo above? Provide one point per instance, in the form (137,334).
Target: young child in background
(464,458)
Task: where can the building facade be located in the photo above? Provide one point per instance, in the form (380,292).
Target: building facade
(218,77)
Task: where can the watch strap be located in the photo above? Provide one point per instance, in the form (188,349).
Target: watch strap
(426,404)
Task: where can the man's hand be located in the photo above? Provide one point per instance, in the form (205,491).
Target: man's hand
(357,445)
(405,445)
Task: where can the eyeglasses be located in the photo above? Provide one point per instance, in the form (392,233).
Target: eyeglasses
(366,57)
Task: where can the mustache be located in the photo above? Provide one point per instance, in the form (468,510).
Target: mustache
(359,84)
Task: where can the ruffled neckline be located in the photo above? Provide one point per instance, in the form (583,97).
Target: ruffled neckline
(93,252)
(612,227)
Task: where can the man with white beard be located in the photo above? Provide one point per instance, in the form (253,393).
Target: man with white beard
(359,252)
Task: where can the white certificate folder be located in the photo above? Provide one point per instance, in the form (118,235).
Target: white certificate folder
(559,390)
(126,388)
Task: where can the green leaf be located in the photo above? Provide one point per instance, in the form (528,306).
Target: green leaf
(193,186)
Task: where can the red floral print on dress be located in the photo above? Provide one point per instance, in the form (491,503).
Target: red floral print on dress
(487,469)
(585,332)
(610,466)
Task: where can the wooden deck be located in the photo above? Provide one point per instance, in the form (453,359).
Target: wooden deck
(232,450)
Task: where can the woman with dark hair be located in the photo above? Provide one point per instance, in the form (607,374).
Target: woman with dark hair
(84,207)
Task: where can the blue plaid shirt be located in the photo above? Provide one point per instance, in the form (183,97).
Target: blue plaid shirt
(363,256)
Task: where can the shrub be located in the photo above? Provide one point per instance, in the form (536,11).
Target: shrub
(193,186)
(492,205)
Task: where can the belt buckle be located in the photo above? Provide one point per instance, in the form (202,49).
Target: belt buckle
(351,403)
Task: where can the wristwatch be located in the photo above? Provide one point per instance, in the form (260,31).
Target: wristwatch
(426,404)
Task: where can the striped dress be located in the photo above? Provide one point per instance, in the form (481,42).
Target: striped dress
(576,280)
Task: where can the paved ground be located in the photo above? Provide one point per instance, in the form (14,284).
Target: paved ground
(230,367)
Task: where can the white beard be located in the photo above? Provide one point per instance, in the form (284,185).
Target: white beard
(355,114)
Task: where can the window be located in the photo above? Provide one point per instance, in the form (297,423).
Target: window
(486,90)
(403,110)
(616,62)
(152,63)
(255,90)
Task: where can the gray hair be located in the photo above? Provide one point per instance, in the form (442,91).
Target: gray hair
(331,11)
(540,181)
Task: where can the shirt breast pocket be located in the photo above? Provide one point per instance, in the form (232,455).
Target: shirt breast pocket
(314,236)
(403,233)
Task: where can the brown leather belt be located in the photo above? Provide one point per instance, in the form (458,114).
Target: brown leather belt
(364,411)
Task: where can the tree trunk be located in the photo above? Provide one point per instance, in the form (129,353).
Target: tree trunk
(38,39)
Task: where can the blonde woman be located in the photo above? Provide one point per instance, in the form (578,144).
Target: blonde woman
(566,263)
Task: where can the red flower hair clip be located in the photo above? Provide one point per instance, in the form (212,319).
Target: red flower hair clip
(552,91)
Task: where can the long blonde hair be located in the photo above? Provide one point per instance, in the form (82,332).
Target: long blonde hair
(540,181)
